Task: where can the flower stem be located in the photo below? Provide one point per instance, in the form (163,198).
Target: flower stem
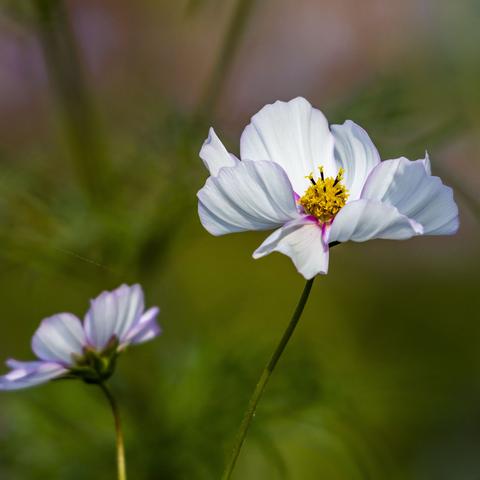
(262,382)
(122,473)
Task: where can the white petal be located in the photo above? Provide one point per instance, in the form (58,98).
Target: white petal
(146,328)
(29,374)
(363,220)
(58,337)
(292,134)
(249,196)
(113,313)
(302,241)
(215,155)
(356,154)
(409,187)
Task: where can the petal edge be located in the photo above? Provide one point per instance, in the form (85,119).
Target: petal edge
(364,220)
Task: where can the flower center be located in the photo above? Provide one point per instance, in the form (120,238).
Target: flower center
(325,197)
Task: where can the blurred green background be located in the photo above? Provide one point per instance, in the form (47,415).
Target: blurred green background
(104,105)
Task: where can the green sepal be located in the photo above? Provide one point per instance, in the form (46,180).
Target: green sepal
(93,366)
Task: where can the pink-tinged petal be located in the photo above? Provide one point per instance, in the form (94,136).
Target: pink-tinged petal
(302,241)
(113,314)
(130,307)
(58,338)
(295,136)
(249,196)
(30,374)
(356,154)
(415,193)
(100,319)
(146,328)
(215,155)
(363,220)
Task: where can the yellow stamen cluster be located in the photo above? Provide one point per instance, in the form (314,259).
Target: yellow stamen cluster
(325,197)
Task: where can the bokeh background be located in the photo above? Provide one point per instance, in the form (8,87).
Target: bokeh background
(104,105)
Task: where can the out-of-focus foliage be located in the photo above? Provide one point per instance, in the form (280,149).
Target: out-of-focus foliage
(382,378)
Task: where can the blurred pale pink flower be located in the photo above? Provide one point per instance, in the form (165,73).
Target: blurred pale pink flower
(354,196)
(65,347)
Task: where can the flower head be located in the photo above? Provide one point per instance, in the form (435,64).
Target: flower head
(65,347)
(355,195)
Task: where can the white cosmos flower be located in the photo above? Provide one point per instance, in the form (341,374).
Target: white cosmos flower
(317,185)
(65,347)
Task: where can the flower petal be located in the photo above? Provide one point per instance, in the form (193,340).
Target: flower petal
(356,154)
(293,134)
(215,155)
(113,313)
(302,241)
(145,329)
(130,306)
(58,338)
(249,196)
(426,163)
(29,374)
(408,186)
(363,220)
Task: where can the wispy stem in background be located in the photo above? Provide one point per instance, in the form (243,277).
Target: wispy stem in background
(262,382)
(233,36)
(69,87)
(161,230)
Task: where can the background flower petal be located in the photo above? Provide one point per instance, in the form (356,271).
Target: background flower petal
(101,319)
(29,374)
(363,220)
(130,306)
(293,134)
(215,155)
(249,196)
(146,328)
(408,186)
(356,154)
(302,241)
(58,337)
(113,313)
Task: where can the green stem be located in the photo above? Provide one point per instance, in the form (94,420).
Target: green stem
(122,472)
(267,372)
